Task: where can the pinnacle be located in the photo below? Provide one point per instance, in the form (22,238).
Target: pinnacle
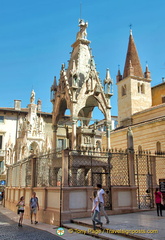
(132,56)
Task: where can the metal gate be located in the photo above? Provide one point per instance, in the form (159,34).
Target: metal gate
(144,181)
(104,180)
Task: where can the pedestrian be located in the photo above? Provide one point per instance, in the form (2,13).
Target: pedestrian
(34,206)
(95,210)
(20,211)
(158,200)
(101,196)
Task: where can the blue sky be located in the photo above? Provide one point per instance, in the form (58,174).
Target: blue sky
(36,38)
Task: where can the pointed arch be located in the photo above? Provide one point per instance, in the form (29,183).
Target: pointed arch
(61,110)
(87,110)
(34,148)
(142,88)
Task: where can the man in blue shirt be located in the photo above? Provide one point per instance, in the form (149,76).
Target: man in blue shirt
(34,206)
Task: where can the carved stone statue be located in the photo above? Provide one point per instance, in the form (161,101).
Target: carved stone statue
(32,98)
(130,144)
(82,33)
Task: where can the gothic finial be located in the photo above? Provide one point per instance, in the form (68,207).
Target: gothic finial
(130,26)
(63,66)
(39,104)
(108,77)
(55,82)
(119,76)
(108,74)
(32,97)
(74,66)
(147,72)
(108,82)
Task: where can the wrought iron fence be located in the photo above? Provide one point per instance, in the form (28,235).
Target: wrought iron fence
(160,167)
(144,180)
(87,168)
(26,173)
(120,170)
(48,169)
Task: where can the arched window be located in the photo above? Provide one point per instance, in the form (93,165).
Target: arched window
(142,88)
(124,90)
(138,85)
(34,148)
(158,148)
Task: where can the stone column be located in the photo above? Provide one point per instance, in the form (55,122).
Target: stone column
(130,149)
(108,135)
(65,154)
(131,168)
(54,127)
(74,126)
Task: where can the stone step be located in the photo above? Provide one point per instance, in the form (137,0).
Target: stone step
(104,233)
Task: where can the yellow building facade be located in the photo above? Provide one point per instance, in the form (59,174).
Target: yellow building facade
(141,108)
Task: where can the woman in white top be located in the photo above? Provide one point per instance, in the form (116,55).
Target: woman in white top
(21,205)
(95,210)
(100,195)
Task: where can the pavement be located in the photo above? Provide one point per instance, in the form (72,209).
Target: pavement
(9,229)
(140,225)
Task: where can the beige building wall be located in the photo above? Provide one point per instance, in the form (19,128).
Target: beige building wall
(8,127)
(150,114)
(134,95)
(124,100)
(158,93)
(145,134)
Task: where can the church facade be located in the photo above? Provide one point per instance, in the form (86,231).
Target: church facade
(142,108)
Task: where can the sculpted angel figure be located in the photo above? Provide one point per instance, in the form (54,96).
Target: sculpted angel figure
(32,98)
(82,33)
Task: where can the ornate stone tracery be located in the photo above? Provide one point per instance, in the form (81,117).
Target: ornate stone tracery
(80,90)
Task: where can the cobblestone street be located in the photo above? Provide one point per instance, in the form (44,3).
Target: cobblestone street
(10,230)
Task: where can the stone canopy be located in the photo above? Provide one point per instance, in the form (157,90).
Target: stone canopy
(80,89)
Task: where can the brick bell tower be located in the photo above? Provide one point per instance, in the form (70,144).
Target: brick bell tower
(80,90)
(134,87)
